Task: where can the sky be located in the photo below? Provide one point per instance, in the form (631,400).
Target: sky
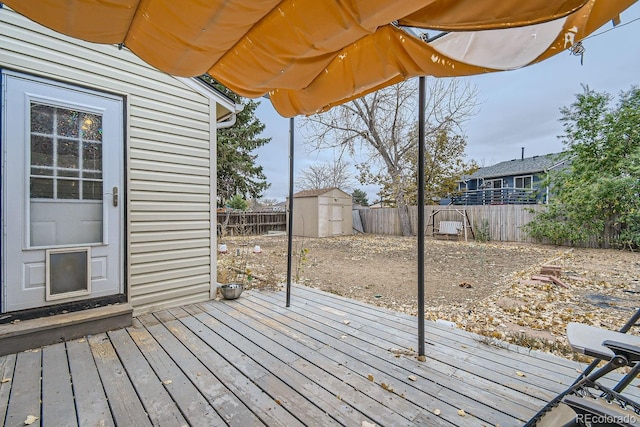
(519,108)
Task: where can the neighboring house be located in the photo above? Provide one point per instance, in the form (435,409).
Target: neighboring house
(108,173)
(322,213)
(512,182)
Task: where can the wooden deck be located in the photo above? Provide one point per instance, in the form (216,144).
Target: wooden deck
(325,360)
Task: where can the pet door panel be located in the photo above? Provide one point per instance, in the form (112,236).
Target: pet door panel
(68,273)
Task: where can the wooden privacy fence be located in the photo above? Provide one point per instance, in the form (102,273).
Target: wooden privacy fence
(494,222)
(240,223)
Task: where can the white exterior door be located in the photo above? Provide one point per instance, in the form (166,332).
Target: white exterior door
(62,173)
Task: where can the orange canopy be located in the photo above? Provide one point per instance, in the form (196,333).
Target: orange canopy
(310,55)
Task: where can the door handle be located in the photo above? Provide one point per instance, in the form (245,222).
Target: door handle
(115,196)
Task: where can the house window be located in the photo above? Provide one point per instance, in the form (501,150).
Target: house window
(494,183)
(524,181)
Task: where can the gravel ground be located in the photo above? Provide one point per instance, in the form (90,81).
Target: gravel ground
(485,288)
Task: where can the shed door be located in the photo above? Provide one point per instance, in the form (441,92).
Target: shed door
(62,175)
(336,220)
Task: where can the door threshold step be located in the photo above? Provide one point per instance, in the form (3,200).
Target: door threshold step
(34,333)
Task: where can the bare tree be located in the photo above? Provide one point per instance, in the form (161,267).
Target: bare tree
(382,124)
(326,175)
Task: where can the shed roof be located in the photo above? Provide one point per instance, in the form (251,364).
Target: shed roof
(528,165)
(318,192)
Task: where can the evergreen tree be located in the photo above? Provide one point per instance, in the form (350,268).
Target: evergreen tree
(237,171)
(360,197)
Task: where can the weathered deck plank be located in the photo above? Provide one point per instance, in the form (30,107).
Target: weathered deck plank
(272,354)
(7,365)
(58,407)
(324,361)
(24,400)
(275,356)
(227,404)
(450,342)
(265,407)
(161,409)
(274,385)
(353,388)
(550,370)
(124,402)
(387,369)
(91,402)
(186,395)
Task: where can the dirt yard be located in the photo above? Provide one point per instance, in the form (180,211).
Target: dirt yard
(482,287)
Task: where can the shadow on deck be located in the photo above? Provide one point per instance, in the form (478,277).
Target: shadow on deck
(325,360)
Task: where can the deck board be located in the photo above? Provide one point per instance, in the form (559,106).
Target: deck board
(227,404)
(324,361)
(300,409)
(7,365)
(58,407)
(387,369)
(160,407)
(126,407)
(91,402)
(24,400)
(335,384)
(191,402)
(265,407)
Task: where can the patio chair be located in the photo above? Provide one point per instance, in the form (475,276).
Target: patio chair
(587,402)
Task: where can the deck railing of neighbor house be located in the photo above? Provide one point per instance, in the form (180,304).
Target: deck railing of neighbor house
(497,196)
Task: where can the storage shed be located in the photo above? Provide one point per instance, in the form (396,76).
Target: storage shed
(108,171)
(322,213)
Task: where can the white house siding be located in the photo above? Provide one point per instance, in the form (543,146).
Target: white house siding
(169,164)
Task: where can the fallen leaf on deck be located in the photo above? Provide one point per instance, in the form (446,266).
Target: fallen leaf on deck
(346,322)
(30,420)
(367,424)
(81,340)
(370,377)
(422,358)
(167,382)
(520,374)
(461,412)
(412,377)
(5,380)
(437,411)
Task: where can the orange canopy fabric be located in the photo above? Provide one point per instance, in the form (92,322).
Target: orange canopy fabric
(314,54)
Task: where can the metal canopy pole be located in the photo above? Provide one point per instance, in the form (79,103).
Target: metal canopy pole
(421,138)
(290,224)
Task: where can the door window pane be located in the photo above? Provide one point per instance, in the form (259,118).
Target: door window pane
(67,122)
(92,127)
(92,156)
(41,150)
(68,154)
(92,190)
(68,189)
(41,119)
(42,188)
